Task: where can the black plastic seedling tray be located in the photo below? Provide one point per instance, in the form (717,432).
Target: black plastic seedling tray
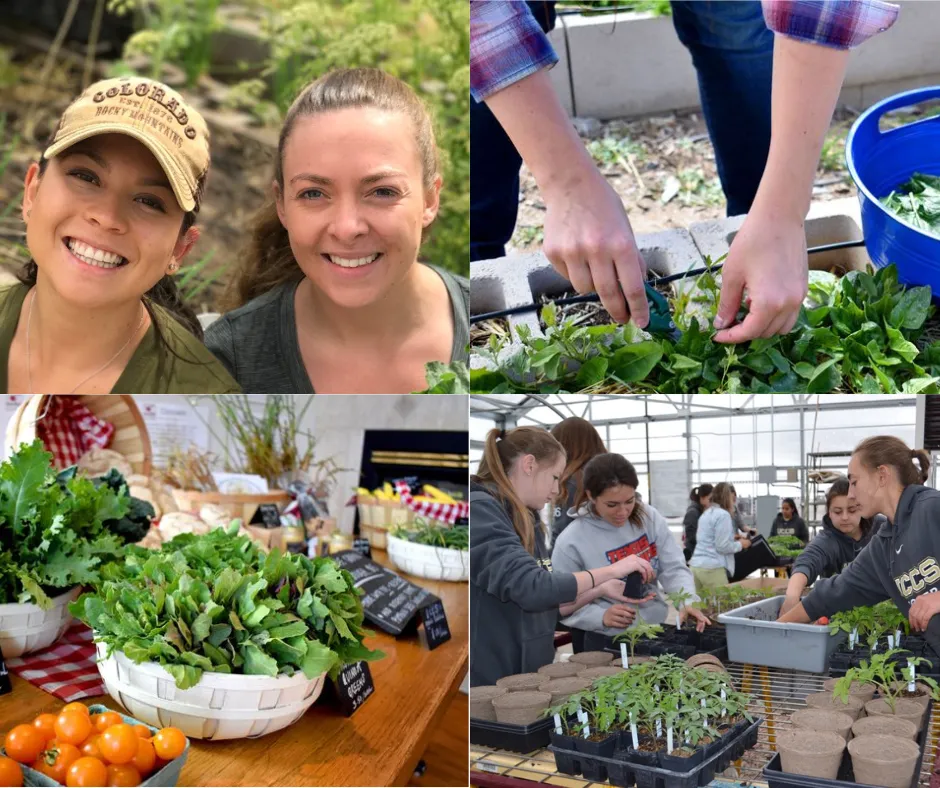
(682,643)
(777,778)
(624,774)
(505,736)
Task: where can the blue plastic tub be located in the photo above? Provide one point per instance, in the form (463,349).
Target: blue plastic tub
(880,162)
(167,777)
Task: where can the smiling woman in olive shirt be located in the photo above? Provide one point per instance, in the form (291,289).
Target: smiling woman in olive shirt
(331,295)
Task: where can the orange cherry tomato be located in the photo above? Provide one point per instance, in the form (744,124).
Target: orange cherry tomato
(146,759)
(24,743)
(87,773)
(169,743)
(143,731)
(77,707)
(90,747)
(124,776)
(119,743)
(11,773)
(45,724)
(72,727)
(55,761)
(105,720)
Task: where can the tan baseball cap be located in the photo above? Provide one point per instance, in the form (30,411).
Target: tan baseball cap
(150,112)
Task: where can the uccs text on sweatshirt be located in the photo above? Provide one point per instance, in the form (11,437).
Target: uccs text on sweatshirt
(831,551)
(901,563)
(590,542)
(514,596)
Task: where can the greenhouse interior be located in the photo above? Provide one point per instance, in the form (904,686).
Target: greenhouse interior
(746,575)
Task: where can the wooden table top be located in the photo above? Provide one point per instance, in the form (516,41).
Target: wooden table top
(379,745)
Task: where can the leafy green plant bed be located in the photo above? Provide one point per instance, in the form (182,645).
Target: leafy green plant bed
(917,202)
(862,333)
(423,532)
(721,599)
(786,546)
(217,602)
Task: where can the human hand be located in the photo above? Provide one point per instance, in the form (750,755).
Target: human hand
(614,591)
(745,543)
(619,616)
(768,259)
(789,602)
(701,620)
(589,241)
(634,563)
(925,607)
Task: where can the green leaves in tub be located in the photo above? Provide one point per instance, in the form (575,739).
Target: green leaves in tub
(917,202)
(216,602)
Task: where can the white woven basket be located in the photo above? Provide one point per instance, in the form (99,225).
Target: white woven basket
(28,628)
(428,561)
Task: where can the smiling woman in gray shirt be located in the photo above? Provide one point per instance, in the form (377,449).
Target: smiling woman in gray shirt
(331,296)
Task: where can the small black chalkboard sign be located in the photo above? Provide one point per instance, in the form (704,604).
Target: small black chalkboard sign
(6,686)
(362,546)
(267,515)
(353,687)
(390,602)
(434,619)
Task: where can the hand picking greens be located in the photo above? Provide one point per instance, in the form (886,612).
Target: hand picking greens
(216,602)
(55,532)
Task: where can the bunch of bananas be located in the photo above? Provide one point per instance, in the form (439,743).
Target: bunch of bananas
(386,492)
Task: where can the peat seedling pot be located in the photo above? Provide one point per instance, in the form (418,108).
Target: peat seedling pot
(888,761)
(521,682)
(566,764)
(601,672)
(921,693)
(592,659)
(560,689)
(819,720)
(521,708)
(679,762)
(698,660)
(864,692)
(889,726)
(561,670)
(481,702)
(810,753)
(824,700)
(906,709)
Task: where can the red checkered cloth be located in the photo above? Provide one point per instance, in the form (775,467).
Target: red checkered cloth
(68,429)
(445,512)
(66,669)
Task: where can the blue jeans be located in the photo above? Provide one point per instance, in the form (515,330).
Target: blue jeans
(732,51)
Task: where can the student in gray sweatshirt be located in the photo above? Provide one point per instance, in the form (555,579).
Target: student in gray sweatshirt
(845,533)
(902,561)
(515,597)
(789,523)
(581,443)
(610,525)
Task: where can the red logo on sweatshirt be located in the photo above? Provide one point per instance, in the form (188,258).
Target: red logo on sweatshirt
(640,547)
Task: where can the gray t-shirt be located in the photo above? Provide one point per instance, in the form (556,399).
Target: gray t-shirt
(258,342)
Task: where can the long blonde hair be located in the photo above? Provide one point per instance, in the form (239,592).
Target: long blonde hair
(269,262)
(582,443)
(499,453)
(723,496)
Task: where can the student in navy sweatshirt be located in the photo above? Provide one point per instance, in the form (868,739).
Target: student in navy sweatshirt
(844,535)
(902,561)
(515,598)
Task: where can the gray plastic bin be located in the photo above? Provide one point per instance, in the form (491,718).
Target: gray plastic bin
(755,638)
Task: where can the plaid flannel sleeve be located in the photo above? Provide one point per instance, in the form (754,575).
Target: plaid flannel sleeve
(841,24)
(506,45)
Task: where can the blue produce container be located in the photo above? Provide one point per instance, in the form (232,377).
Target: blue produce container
(167,777)
(880,162)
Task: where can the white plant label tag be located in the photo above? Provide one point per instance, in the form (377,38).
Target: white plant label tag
(724,711)
(558,725)
(587,730)
(633,734)
(659,729)
(853,638)
(669,740)
(911,686)
(890,641)
(623,655)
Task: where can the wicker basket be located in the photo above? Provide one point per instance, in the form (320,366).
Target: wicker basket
(243,505)
(377,517)
(130,432)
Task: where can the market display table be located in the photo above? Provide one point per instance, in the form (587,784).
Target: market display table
(380,744)
(775,694)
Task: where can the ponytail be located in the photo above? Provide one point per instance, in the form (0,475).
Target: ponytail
(911,465)
(500,452)
(700,492)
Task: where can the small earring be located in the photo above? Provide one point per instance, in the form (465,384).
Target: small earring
(173,267)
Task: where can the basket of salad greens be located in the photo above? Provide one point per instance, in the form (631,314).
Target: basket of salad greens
(57,530)
(220,639)
(432,551)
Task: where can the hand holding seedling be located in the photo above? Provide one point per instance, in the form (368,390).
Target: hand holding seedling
(925,607)
(614,591)
(701,620)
